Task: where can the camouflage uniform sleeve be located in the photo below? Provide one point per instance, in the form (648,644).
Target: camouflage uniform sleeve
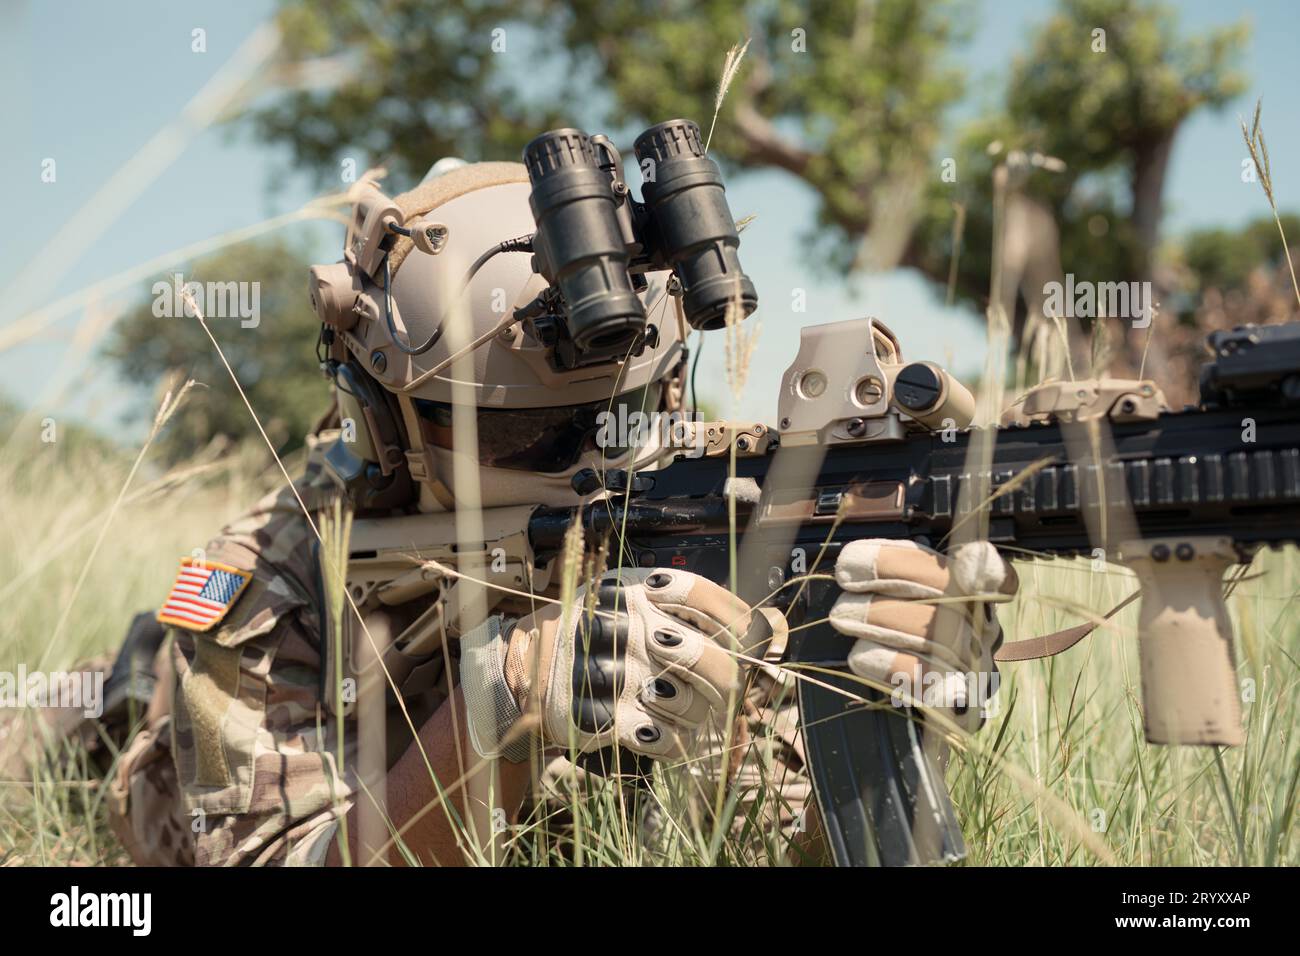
(256,758)
(255,755)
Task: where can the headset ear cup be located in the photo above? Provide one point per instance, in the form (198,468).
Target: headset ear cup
(356,428)
(333,290)
(378,415)
(392,425)
(372,463)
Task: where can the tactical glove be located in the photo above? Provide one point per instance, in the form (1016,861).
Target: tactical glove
(640,663)
(924,621)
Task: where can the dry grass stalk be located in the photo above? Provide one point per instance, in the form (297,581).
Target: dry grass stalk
(1103,346)
(730,67)
(166,409)
(335,535)
(740,344)
(1264,171)
(958,230)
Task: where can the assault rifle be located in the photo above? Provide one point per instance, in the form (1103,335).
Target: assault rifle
(870,447)
(867,446)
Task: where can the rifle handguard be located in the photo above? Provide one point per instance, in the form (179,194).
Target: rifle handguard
(1189,681)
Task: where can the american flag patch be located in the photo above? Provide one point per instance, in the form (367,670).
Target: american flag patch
(204,591)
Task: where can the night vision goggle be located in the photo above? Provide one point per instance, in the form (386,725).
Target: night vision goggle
(594,242)
(594,245)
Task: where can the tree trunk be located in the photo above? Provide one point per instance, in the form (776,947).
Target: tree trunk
(1150,164)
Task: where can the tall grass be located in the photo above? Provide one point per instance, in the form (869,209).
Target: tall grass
(1258,149)
(58,501)
(1074,723)
(1060,775)
(1071,726)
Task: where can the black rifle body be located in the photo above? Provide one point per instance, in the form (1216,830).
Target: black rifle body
(882,800)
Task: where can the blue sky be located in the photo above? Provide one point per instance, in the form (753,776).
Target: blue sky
(88,83)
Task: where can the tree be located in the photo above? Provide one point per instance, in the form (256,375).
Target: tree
(847,96)
(423,82)
(850,97)
(1225,259)
(1105,86)
(271,350)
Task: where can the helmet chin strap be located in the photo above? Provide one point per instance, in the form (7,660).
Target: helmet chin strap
(674,394)
(423,464)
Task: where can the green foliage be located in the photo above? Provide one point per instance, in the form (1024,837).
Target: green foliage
(1111,116)
(274,361)
(1224,258)
(848,97)
(423,84)
(22,429)
(1094,108)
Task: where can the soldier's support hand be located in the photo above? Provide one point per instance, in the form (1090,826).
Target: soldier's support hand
(640,662)
(925,622)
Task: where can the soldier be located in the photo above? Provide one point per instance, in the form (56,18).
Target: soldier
(248,752)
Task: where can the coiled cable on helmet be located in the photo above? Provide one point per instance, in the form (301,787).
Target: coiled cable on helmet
(518,244)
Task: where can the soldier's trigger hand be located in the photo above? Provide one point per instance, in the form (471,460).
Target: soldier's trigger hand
(924,622)
(641,662)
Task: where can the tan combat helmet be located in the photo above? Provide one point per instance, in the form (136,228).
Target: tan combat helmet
(535,421)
